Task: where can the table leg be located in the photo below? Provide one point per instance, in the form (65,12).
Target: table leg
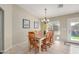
(39,46)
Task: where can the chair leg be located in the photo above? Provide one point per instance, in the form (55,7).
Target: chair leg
(43,47)
(30,48)
(46,49)
(64,43)
(36,49)
(49,45)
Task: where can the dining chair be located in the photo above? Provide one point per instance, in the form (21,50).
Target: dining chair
(33,42)
(44,46)
(47,41)
(48,38)
(52,37)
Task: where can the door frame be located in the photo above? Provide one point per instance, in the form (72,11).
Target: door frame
(55,36)
(2,30)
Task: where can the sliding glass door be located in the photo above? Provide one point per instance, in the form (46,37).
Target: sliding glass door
(73,30)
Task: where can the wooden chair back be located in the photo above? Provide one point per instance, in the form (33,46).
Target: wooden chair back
(32,40)
(31,36)
(47,41)
(48,36)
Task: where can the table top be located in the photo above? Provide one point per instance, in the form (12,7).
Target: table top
(40,38)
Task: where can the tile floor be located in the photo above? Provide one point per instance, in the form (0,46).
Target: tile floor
(57,48)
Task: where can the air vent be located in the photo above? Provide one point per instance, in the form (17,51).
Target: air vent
(60,6)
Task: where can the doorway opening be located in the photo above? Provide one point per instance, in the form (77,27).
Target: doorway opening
(75,31)
(1,30)
(55,26)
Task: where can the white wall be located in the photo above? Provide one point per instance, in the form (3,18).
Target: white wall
(20,35)
(7,25)
(13,31)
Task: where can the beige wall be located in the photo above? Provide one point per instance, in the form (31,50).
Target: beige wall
(63,24)
(7,25)
(20,35)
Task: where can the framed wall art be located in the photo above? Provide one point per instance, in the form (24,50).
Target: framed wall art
(36,24)
(26,23)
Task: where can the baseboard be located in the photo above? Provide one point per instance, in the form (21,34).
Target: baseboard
(7,49)
(73,43)
(19,43)
(14,46)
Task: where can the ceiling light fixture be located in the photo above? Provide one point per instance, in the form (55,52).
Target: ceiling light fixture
(45,20)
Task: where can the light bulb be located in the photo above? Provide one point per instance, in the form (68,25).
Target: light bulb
(47,20)
(44,20)
(41,20)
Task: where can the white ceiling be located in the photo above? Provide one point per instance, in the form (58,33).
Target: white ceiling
(52,9)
